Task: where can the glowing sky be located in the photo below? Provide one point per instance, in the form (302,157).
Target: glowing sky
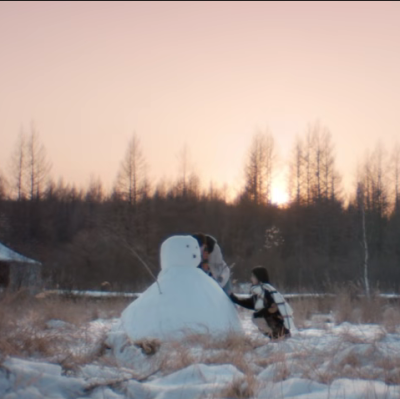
(206,74)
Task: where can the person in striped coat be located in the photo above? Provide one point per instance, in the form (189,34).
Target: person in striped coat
(273,315)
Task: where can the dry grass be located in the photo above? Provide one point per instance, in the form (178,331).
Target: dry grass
(75,311)
(24,331)
(72,363)
(241,388)
(230,341)
(195,348)
(311,363)
(391,368)
(391,318)
(353,306)
(305,308)
(347,360)
(273,358)
(178,357)
(231,348)
(348,303)
(236,358)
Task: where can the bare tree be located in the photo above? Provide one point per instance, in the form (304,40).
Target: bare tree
(146,187)
(380,193)
(161,189)
(259,168)
(188,182)
(296,172)
(132,172)
(361,204)
(374,179)
(254,170)
(396,176)
(312,170)
(329,176)
(183,170)
(318,160)
(318,139)
(95,191)
(215,193)
(308,162)
(37,165)
(3,186)
(270,159)
(18,164)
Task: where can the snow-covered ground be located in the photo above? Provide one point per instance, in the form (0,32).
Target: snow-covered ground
(323,360)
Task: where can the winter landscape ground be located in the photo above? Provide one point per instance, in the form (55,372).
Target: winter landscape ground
(64,348)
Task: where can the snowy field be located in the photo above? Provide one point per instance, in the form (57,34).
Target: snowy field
(64,358)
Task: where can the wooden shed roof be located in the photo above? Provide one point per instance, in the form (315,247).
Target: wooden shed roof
(8,255)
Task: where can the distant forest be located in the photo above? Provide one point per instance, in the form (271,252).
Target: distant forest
(315,242)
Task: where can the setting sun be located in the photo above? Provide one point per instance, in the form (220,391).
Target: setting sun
(279,195)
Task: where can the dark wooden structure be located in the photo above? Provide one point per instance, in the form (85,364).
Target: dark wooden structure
(19,272)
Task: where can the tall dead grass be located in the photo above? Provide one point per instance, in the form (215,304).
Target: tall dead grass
(347,303)
(352,305)
(24,329)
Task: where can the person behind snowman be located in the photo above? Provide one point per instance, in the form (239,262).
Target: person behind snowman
(273,315)
(212,261)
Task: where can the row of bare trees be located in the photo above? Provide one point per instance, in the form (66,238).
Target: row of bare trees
(87,236)
(30,166)
(313,174)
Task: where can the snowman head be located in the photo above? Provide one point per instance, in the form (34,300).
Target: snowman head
(180,251)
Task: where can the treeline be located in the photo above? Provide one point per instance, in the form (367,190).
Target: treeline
(317,240)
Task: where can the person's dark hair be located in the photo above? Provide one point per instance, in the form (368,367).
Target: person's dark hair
(261,274)
(200,237)
(210,242)
(204,239)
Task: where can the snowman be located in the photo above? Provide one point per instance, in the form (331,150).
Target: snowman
(185,299)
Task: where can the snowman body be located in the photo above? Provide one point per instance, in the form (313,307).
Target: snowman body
(189,301)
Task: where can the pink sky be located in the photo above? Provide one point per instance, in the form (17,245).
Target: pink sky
(206,74)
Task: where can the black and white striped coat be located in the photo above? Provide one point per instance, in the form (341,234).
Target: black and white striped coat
(267,301)
(262,294)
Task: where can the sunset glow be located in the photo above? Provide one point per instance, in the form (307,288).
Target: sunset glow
(279,196)
(208,74)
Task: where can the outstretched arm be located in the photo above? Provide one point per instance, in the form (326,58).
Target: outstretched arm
(247,303)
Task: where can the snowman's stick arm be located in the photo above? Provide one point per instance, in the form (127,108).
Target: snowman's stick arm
(131,249)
